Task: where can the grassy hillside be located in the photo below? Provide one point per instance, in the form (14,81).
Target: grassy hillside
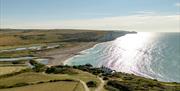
(60,77)
(68,77)
(118,81)
(10,69)
(26,37)
(34,78)
(129,82)
(56,86)
(65,38)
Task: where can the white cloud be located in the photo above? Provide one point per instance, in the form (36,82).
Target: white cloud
(154,23)
(145,12)
(177,4)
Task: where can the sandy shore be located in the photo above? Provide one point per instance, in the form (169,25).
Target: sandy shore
(58,56)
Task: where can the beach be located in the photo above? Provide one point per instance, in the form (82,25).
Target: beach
(60,55)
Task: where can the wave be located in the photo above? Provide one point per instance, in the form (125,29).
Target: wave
(143,54)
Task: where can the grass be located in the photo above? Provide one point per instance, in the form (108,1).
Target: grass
(124,80)
(16,54)
(132,82)
(29,77)
(10,69)
(19,46)
(55,86)
(24,37)
(32,77)
(86,77)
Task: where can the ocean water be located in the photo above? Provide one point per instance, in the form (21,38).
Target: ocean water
(151,55)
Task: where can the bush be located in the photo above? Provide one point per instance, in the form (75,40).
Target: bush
(55,80)
(40,82)
(16,73)
(16,62)
(19,62)
(88,65)
(2,86)
(37,67)
(32,62)
(20,84)
(91,84)
(110,88)
(50,70)
(105,78)
(61,70)
(127,78)
(118,85)
(69,80)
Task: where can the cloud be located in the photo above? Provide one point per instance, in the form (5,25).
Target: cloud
(145,12)
(177,4)
(133,22)
(152,23)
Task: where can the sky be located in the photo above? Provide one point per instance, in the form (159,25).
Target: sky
(130,15)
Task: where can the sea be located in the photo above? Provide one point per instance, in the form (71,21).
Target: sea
(150,55)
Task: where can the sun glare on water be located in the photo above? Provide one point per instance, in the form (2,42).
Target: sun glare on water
(134,41)
(131,48)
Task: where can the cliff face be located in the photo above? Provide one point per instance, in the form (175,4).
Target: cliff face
(99,36)
(112,35)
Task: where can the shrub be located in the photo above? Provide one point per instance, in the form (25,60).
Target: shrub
(20,84)
(69,80)
(50,70)
(118,85)
(105,78)
(88,65)
(40,82)
(61,70)
(37,67)
(19,62)
(91,84)
(55,80)
(2,86)
(16,73)
(127,78)
(16,62)
(110,88)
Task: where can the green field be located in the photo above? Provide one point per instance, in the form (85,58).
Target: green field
(32,77)
(10,69)
(43,81)
(56,86)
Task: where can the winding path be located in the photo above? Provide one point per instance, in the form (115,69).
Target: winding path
(101,86)
(84,85)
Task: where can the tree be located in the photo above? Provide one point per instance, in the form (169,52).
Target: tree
(38,67)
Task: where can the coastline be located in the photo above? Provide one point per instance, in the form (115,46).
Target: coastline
(70,42)
(88,47)
(136,73)
(60,55)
